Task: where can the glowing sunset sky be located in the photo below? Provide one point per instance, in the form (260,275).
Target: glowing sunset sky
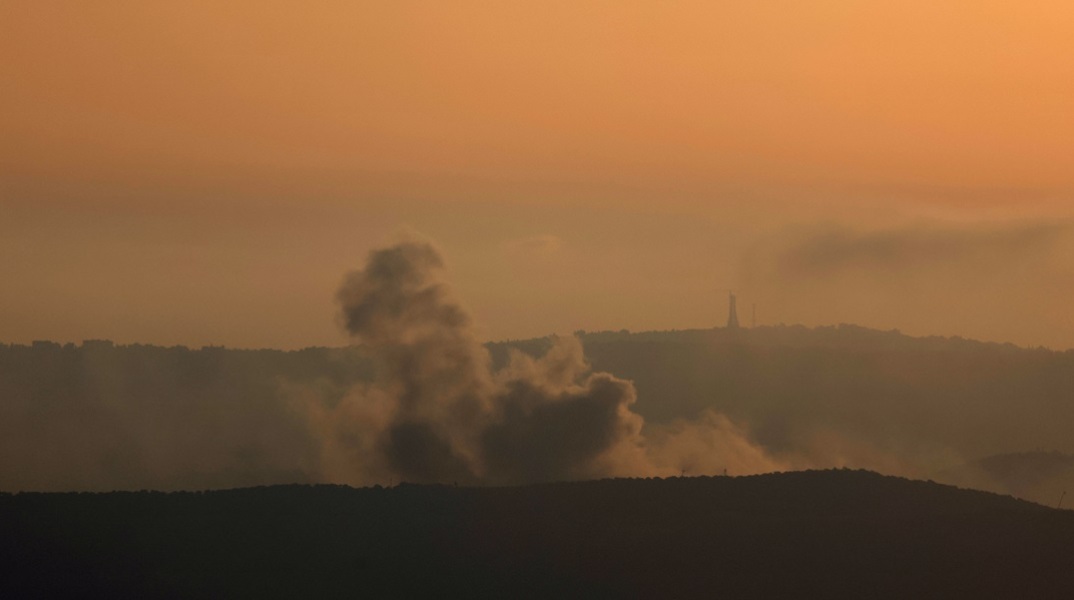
(205,172)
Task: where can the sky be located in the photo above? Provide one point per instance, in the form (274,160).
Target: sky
(207,173)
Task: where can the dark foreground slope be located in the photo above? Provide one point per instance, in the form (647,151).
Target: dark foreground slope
(817,534)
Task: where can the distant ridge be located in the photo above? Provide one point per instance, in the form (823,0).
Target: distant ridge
(837,334)
(881,391)
(823,534)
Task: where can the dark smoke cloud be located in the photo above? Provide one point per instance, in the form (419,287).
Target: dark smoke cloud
(434,410)
(971,279)
(107,417)
(430,362)
(450,418)
(916,247)
(549,427)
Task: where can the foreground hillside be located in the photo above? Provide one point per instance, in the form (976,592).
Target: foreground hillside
(820,534)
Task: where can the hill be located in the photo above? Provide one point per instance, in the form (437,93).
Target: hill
(135,416)
(979,398)
(822,534)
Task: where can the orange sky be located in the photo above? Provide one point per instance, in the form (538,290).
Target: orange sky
(204,172)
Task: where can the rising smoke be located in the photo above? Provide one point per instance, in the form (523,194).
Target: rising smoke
(437,411)
(102,417)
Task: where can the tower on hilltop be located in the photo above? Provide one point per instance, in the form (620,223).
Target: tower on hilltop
(732,312)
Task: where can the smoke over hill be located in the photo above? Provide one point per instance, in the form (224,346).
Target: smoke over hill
(418,398)
(443,414)
(418,401)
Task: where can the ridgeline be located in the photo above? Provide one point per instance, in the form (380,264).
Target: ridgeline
(815,534)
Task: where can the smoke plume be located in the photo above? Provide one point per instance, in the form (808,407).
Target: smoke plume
(437,411)
(416,399)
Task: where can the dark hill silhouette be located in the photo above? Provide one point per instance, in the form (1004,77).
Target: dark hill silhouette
(820,534)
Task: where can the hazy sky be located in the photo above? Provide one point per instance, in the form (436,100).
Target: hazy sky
(206,172)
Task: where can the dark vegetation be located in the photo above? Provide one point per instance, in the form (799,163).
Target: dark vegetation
(820,534)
